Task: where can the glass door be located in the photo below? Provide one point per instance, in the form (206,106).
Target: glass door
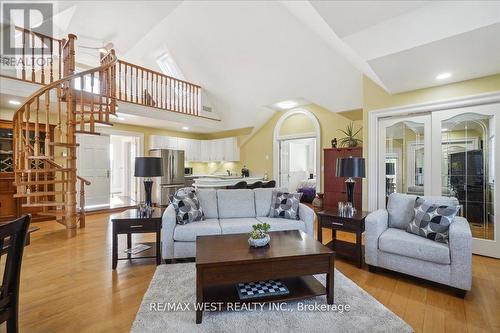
(404,163)
(464,156)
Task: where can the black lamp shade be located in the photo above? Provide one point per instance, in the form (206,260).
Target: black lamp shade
(148,167)
(351,167)
(389,169)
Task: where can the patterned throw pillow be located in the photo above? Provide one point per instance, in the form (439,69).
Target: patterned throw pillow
(187,206)
(432,221)
(285,205)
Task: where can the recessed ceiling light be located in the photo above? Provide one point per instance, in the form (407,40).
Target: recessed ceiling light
(443,76)
(185,128)
(286,104)
(14,102)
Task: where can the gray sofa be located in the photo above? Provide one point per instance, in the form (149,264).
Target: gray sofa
(226,212)
(388,245)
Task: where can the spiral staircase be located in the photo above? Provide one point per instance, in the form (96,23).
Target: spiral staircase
(45,170)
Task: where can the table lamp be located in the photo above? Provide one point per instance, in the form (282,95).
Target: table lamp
(148,167)
(350,167)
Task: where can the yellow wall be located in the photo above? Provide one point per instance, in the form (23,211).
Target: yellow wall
(297,124)
(257,152)
(375,97)
(6,114)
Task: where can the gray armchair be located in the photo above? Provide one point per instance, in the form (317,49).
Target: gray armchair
(389,246)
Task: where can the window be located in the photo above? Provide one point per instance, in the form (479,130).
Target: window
(169,67)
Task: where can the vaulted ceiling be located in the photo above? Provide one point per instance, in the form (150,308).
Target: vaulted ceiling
(249,55)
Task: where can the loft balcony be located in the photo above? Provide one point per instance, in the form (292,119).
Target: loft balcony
(139,91)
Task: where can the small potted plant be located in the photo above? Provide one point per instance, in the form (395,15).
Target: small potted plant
(259,236)
(350,140)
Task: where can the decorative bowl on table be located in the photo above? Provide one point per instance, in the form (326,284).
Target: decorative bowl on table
(259,242)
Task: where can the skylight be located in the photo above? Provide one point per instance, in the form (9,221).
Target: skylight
(169,67)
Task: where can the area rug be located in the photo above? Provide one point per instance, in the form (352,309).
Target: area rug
(175,285)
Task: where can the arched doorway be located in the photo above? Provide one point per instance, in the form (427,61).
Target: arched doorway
(297,132)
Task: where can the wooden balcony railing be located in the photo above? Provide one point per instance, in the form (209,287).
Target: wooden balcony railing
(144,86)
(44,67)
(132,83)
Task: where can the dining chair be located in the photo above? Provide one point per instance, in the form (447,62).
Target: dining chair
(257,184)
(269,184)
(239,185)
(12,241)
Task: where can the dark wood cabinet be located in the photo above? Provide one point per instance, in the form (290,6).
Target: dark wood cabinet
(10,207)
(334,187)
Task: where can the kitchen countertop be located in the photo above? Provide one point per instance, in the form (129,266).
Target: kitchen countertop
(223,181)
(222,175)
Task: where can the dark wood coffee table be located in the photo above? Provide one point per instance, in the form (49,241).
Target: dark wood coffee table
(291,256)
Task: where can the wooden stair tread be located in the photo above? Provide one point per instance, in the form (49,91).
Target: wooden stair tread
(87,132)
(44,170)
(37,194)
(44,204)
(64,144)
(39,182)
(50,157)
(41,157)
(87,121)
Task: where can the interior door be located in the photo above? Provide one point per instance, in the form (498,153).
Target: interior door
(93,164)
(464,159)
(284,163)
(404,156)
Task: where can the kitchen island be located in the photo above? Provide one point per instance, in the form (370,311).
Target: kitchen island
(223,181)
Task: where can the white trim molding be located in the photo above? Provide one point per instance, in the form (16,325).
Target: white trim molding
(297,136)
(276,138)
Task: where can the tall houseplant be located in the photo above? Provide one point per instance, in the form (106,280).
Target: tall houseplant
(350,139)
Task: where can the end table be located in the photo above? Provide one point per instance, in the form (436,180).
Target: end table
(332,219)
(129,223)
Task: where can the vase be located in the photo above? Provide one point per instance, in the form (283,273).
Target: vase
(259,242)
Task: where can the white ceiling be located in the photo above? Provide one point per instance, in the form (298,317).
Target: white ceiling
(348,17)
(405,44)
(468,55)
(249,55)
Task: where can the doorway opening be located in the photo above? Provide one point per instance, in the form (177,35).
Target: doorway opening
(298,164)
(107,161)
(297,153)
(123,184)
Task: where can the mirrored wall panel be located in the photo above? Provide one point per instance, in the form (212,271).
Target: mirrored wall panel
(468,169)
(404,158)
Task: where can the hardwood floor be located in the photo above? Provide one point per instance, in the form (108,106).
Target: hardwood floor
(67,285)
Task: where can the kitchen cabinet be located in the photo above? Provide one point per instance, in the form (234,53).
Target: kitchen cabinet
(206,151)
(200,150)
(231,150)
(218,150)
